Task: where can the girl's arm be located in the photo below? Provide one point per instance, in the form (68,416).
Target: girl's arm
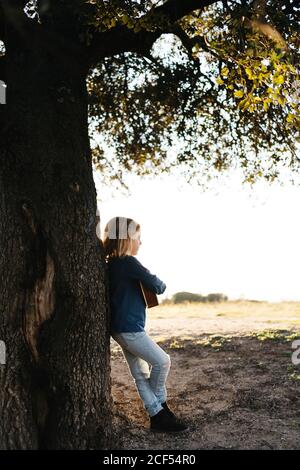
(137,271)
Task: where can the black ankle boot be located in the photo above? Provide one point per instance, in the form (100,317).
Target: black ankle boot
(164,422)
(165,405)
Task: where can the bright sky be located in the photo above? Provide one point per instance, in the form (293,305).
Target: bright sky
(243,243)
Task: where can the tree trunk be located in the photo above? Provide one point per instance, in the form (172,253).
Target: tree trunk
(55,385)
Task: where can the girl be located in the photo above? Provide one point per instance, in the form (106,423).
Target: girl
(121,241)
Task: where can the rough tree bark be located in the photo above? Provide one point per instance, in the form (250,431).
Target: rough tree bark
(55,386)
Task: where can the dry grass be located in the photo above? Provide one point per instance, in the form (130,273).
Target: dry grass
(232,317)
(281,311)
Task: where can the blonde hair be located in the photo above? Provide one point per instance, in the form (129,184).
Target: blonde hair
(118,235)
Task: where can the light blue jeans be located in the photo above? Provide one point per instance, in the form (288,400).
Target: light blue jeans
(149,365)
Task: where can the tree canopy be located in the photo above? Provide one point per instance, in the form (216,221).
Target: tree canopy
(200,85)
(221,80)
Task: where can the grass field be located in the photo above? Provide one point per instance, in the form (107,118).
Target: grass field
(232,317)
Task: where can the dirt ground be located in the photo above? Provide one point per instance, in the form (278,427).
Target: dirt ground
(231,378)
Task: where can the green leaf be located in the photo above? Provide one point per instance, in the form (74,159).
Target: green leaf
(224,72)
(239,93)
(278,80)
(249,73)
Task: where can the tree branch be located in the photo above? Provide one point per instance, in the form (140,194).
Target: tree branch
(176,9)
(121,39)
(189,43)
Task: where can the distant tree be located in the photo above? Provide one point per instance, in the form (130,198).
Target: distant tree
(180,297)
(186,297)
(217,298)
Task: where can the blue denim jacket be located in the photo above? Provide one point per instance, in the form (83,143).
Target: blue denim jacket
(127,305)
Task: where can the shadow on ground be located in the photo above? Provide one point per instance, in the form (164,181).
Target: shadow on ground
(238,392)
